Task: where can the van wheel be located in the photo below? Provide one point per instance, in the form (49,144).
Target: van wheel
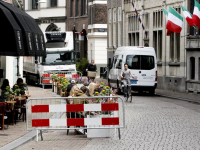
(152,92)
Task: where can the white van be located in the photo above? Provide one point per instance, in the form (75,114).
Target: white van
(143,65)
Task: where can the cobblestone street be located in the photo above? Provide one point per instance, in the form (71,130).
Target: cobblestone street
(152,123)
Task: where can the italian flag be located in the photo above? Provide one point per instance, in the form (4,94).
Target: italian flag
(196,14)
(188,16)
(166,14)
(175,21)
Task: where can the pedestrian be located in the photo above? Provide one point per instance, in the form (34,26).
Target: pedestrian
(126,74)
(92,86)
(69,87)
(91,68)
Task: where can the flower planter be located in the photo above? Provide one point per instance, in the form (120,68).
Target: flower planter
(97,133)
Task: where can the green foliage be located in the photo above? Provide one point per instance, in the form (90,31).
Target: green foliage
(82,65)
(7,91)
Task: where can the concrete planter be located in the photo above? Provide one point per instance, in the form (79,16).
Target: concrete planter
(97,133)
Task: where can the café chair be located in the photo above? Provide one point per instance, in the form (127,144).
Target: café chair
(2,113)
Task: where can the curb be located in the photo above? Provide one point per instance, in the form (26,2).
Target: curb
(179,98)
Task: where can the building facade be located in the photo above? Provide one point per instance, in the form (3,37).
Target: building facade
(88,20)
(170,50)
(50,16)
(193,56)
(115,27)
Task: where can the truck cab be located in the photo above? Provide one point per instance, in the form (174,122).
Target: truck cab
(60,57)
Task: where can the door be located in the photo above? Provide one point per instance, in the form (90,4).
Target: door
(133,62)
(147,73)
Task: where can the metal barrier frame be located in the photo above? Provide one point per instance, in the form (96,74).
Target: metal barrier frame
(71,99)
(57,72)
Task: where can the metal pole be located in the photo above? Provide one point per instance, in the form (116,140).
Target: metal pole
(37,135)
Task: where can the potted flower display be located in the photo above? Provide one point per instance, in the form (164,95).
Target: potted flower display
(7,92)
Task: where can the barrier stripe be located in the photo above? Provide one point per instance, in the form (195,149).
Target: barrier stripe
(75,122)
(40,108)
(58,122)
(75,108)
(110,121)
(40,123)
(110,107)
(92,107)
(57,108)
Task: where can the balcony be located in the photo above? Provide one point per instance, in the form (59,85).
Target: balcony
(193,43)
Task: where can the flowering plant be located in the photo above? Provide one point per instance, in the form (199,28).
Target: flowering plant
(7,91)
(16,89)
(64,83)
(54,77)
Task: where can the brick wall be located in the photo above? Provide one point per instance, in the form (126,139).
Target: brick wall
(100,12)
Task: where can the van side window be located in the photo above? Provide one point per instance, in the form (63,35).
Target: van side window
(147,62)
(133,61)
(142,62)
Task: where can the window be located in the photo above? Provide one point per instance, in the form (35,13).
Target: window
(109,28)
(157,44)
(34,4)
(114,61)
(192,67)
(119,26)
(118,62)
(175,44)
(158,19)
(53,3)
(142,62)
(83,7)
(133,31)
(59,58)
(91,14)
(72,8)
(114,27)
(77,10)
(133,61)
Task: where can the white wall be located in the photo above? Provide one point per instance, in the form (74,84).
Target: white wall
(97,49)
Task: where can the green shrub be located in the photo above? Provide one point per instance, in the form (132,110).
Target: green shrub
(82,65)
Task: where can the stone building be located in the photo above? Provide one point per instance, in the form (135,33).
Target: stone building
(50,16)
(115,27)
(90,18)
(193,56)
(170,50)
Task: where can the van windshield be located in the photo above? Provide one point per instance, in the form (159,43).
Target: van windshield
(140,62)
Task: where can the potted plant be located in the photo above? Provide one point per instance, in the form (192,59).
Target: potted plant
(7,92)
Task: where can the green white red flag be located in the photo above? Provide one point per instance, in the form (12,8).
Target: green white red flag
(196,14)
(188,16)
(175,21)
(166,14)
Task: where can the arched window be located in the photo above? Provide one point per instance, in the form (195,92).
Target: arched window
(192,68)
(51,27)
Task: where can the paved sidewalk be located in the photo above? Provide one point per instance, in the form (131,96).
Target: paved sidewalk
(187,96)
(16,131)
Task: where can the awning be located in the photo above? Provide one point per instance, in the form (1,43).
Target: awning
(32,35)
(11,41)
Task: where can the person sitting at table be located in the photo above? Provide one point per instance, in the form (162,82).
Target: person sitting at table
(20,82)
(92,86)
(97,88)
(69,87)
(3,87)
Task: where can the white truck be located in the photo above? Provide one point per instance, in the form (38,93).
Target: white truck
(60,57)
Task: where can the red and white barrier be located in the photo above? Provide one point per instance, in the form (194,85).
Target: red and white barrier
(75,122)
(75,107)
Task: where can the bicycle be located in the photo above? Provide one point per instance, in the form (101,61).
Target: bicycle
(128,94)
